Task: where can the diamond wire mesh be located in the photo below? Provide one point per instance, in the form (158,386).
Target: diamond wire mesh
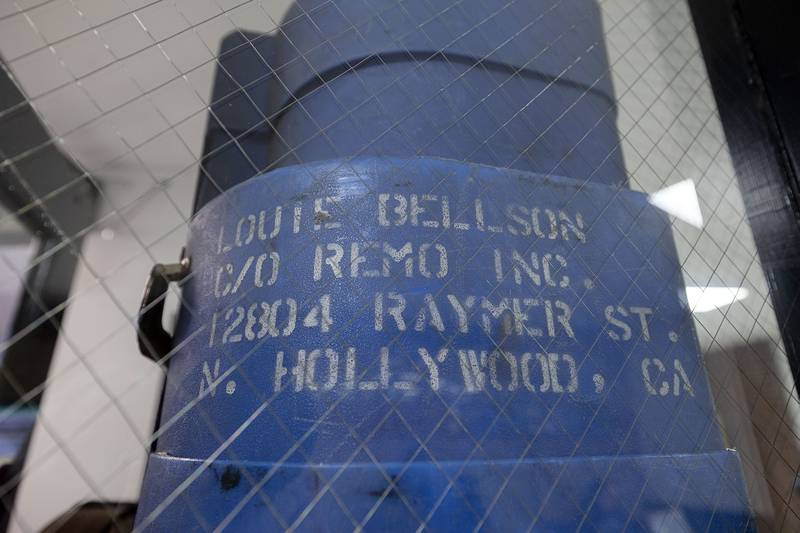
(67,54)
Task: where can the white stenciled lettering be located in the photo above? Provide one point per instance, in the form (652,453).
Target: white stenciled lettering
(234,317)
(547,260)
(624,332)
(358,256)
(254,313)
(332,374)
(297,217)
(275,319)
(527,375)
(332,259)
(350,370)
(251,228)
(441,271)
(276,224)
(245,236)
(429,315)
(299,371)
(574,227)
(520,308)
(275,262)
(495,311)
(396,306)
(374,259)
(320,315)
(620,329)
(399,213)
(549,368)
(555,381)
(433,365)
(480,221)
(527,267)
(280,372)
(494,374)
(547,228)
(416,209)
(209,381)
(532,317)
(472,369)
(322,369)
(642,313)
(222,282)
(403,254)
(461,308)
(229,280)
(521,266)
(654,369)
(384,374)
(520,220)
(564,318)
(322,215)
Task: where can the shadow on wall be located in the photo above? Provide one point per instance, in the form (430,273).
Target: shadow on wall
(95,517)
(753,391)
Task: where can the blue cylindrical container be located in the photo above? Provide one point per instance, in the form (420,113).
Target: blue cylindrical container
(441,308)
(521,85)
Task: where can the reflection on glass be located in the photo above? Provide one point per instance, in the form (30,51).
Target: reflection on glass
(705,299)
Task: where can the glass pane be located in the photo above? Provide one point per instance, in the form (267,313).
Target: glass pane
(447,264)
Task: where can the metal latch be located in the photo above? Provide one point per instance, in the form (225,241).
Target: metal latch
(154,341)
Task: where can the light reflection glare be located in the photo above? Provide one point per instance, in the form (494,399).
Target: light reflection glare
(679,200)
(705,299)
